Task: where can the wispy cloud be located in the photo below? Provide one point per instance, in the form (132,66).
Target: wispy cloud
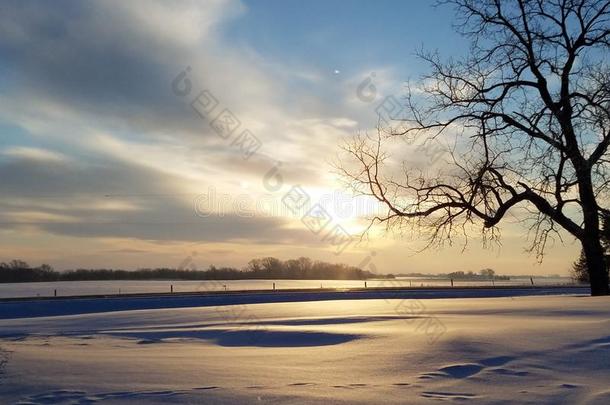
(107,158)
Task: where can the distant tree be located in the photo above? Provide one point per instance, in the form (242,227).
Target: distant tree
(254,266)
(489,273)
(18,265)
(300,267)
(46,268)
(20,271)
(272,266)
(579,267)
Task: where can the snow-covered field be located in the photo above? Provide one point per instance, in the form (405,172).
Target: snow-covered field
(537,350)
(99,287)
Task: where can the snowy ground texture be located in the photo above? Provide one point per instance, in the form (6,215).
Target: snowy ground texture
(529,350)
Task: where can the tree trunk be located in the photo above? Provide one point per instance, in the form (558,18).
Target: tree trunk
(591,240)
(596,265)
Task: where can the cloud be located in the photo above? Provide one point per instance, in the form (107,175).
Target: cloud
(111,153)
(88,57)
(33,154)
(114,199)
(81,69)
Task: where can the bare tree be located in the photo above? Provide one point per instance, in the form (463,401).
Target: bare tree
(530,110)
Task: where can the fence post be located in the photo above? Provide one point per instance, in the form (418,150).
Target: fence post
(451,282)
(171,288)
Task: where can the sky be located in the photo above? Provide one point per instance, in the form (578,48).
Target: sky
(142,133)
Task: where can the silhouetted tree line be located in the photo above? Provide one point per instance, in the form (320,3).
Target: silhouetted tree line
(307,269)
(18,271)
(485,274)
